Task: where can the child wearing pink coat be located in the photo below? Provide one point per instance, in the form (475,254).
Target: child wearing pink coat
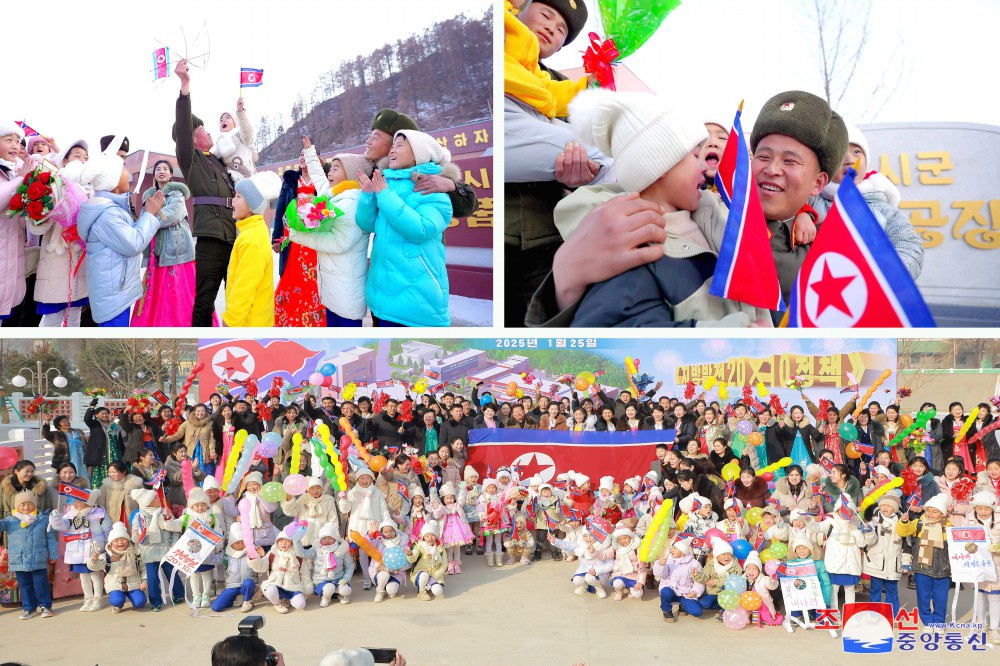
(629,574)
(677,583)
(757,582)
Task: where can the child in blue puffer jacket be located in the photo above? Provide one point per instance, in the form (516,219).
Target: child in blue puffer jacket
(31,546)
(407,281)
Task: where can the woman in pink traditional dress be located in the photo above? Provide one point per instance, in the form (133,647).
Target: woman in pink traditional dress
(168,293)
(296,298)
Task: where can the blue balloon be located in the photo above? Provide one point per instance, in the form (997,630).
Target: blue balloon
(741,548)
(272,437)
(395,559)
(736,583)
(327,369)
(486,399)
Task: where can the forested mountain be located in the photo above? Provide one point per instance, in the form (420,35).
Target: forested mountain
(440,77)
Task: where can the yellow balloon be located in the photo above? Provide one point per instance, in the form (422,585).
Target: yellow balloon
(654,527)
(296,453)
(876,494)
(754,514)
(323,430)
(766,556)
(731,471)
(681,522)
(709,383)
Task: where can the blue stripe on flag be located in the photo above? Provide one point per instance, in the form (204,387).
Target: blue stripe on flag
(570,438)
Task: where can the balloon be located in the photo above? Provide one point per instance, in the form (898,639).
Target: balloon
(852,451)
(486,399)
(268,449)
(273,492)
(295,484)
(729,599)
(395,559)
(753,515)
(756,438)
(587,376)
(969,422)
(8,457)
(648,550)
(366,545)
(848,432)
(767,476)
(327,369)
(779,549)
(581,384)
(239,439)
(751,600)
(681,522)
(737,618)
(784,462)
(771,567)
(871,391)
(511,389)
(296,454)
(327,382)
(744,427)
(874,496)
(731,470)
(271,437)
(767,556)
(735,583)
(316,379)
(377,463)
(741,548)
(714,533)
(905,420)
(345,440)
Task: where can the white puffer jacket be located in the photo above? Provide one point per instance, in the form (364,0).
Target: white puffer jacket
(883,554)
(342,254)
(843,546)
(54,279)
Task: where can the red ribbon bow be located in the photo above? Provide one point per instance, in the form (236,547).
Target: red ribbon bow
(598,60)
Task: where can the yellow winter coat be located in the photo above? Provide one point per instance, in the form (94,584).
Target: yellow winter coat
(523,79)
(250,278)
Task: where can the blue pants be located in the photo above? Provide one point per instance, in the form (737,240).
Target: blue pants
(120,320)
(891,588)
(117,598)
(334,320)
(35,590)
(385,323)
(932,592)
(225,600)
(709,602)
(690,606)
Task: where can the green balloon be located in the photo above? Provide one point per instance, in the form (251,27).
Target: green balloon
(632,22)
(273,492)
(778,549)
(729,599)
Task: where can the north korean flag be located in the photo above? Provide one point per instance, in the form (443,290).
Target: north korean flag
(852,276)
(251,78)
(745,270)
(549,453)
(239,359)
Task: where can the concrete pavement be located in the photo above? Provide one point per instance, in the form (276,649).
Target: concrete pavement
(512,615)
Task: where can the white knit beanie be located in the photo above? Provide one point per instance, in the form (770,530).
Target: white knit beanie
(258,189)
(646,137)
(118,531)
(683,545)
(939,502)
(142,496)
(720,546)
(210,484)
(10,127)
(855,136)
(196,496)
(425,147)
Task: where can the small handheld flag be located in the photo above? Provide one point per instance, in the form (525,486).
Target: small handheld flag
(827,464)
(866,449)
(161,63)
(551,523)
(158,478)
(852,276)
(598,528)
(745,270)
(75,492)
(251,78)
(28,131)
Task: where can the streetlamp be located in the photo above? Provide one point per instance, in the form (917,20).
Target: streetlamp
(37,378)
(128,380)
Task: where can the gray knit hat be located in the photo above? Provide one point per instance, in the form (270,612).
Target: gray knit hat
(806,118)
(260,188)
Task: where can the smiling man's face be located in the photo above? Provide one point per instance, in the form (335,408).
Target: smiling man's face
(548,25)
(787,173)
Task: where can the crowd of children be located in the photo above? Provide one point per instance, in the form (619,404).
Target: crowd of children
(82,263)
(863,516)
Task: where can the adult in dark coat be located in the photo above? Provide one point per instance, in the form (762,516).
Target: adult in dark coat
(519,420)
(948,425)
(136,428)
(796,423)
(289,189)
(418,432)
(455,426)
(98,419)
(211,191)
(57,434)
(386,426)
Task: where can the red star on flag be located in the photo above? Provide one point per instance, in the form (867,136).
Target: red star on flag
(234,363)
(830,290)
(531,467)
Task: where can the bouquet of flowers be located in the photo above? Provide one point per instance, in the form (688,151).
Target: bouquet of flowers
(903,392)
(95,392)
(44,406)
(171,426)
(315,215)
(795,382)
(138,402)
(35,196)
(917,440)
(689,390)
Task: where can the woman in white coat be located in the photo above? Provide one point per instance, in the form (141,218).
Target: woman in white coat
(883,557)
(341,251)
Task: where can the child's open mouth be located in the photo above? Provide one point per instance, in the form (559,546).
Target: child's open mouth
(712,159)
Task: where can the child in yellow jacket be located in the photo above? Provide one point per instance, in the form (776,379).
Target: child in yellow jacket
(534,30)
(250,278)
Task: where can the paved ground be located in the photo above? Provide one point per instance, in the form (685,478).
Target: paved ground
(486,615)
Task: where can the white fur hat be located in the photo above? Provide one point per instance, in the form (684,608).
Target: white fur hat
(313,481)
(733,503)
(651,474)
(118,531)
(720,546)
(102,172)
(634,481)
(430,527)
(258,189)
(235,532)
(536,480)
(579,479)
(882,469)
(253,477)
(329,529)
(939,502)
(795,514)
(800,540)
(142,496)
(353,163)
(469,473)
(490,482)
(544,486)
(447,488)
(683,545)
(753,558)
(79,142)
(210,484)
(10,127)
(349,657)
(984,498)
(197,495)
(855,136)
(693,502)
(416,489)
(640,131)
(607,483)
(425,147)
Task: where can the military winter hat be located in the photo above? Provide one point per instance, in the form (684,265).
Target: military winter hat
(106,141)
(574,12)
(196,122)
(806,118)
(391,121)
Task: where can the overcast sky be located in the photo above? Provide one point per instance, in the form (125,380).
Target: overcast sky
(716,52)
(98,76)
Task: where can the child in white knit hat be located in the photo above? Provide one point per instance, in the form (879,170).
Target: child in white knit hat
(676,574)
(198,509)
(407,282)
(250,279)
(596,561)
(629,574)
(314,507)
(656,150)
(332,566)
(367,508)
(429,563)
(126,577)
(720,566)
(234,145)
(985,512)
(758,582)
(85,527)
(455,530)
(931,564)
(149,532)
(290,579)
(243,573)
(494,515)
(387,580)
